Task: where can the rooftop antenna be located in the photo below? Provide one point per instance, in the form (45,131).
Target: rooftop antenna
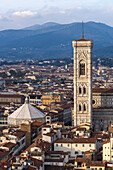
(82,30)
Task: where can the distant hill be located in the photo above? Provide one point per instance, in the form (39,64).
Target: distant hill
(53,40)
(46,25)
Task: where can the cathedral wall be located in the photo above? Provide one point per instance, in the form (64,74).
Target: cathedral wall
(102,119)
(102,100)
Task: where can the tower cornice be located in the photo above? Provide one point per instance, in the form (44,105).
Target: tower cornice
(82,43)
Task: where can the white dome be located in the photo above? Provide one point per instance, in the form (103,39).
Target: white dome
(25,112)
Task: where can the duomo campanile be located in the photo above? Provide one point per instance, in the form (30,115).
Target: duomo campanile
(82,80)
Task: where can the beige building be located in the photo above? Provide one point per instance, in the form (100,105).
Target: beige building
(75,146)
(51,97)
(7,97)
(106,151)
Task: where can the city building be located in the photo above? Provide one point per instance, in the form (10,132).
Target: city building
(75,146)
(11,97)
(51,97)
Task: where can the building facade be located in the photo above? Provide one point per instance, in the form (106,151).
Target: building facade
(75,146)
(51,97)
(7,97)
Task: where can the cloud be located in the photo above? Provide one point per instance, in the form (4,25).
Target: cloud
(24,14)
(18,19)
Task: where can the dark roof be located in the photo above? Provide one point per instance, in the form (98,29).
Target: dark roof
(11,95)
(56,152)
(3,154)
(102,90)
(76,140)
(97,163)
(9,145)
(83,39)
(54,160)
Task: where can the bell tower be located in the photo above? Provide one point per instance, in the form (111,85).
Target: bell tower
(82,80)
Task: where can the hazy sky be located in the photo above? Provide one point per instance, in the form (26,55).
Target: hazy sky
(21,13)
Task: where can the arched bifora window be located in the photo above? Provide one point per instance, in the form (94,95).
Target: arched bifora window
(82,68)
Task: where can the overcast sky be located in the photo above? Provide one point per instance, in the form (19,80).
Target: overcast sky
(22,13)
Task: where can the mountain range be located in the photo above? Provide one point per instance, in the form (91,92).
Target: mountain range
(53,40)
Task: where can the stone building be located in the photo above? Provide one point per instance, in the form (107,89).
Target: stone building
(82,80)
(102,103)
(51,97)
(11,97)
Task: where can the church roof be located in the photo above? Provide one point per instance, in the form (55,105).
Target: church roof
(27,112)
(83,39)
(102,90)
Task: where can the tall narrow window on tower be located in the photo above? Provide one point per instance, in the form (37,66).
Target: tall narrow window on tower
(84,90)
(80,90)
(84,107)
(80,107)
(82,68)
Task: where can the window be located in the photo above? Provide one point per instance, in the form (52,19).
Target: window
(76,152)
(83,145)
(90,145)
(23,141)
(76,145)
(84,90)
(82,152)
(61,145)
(68,145)
(93,101)
(56,145)
(82,68)
(84,107)
(80,90)
(80,107)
